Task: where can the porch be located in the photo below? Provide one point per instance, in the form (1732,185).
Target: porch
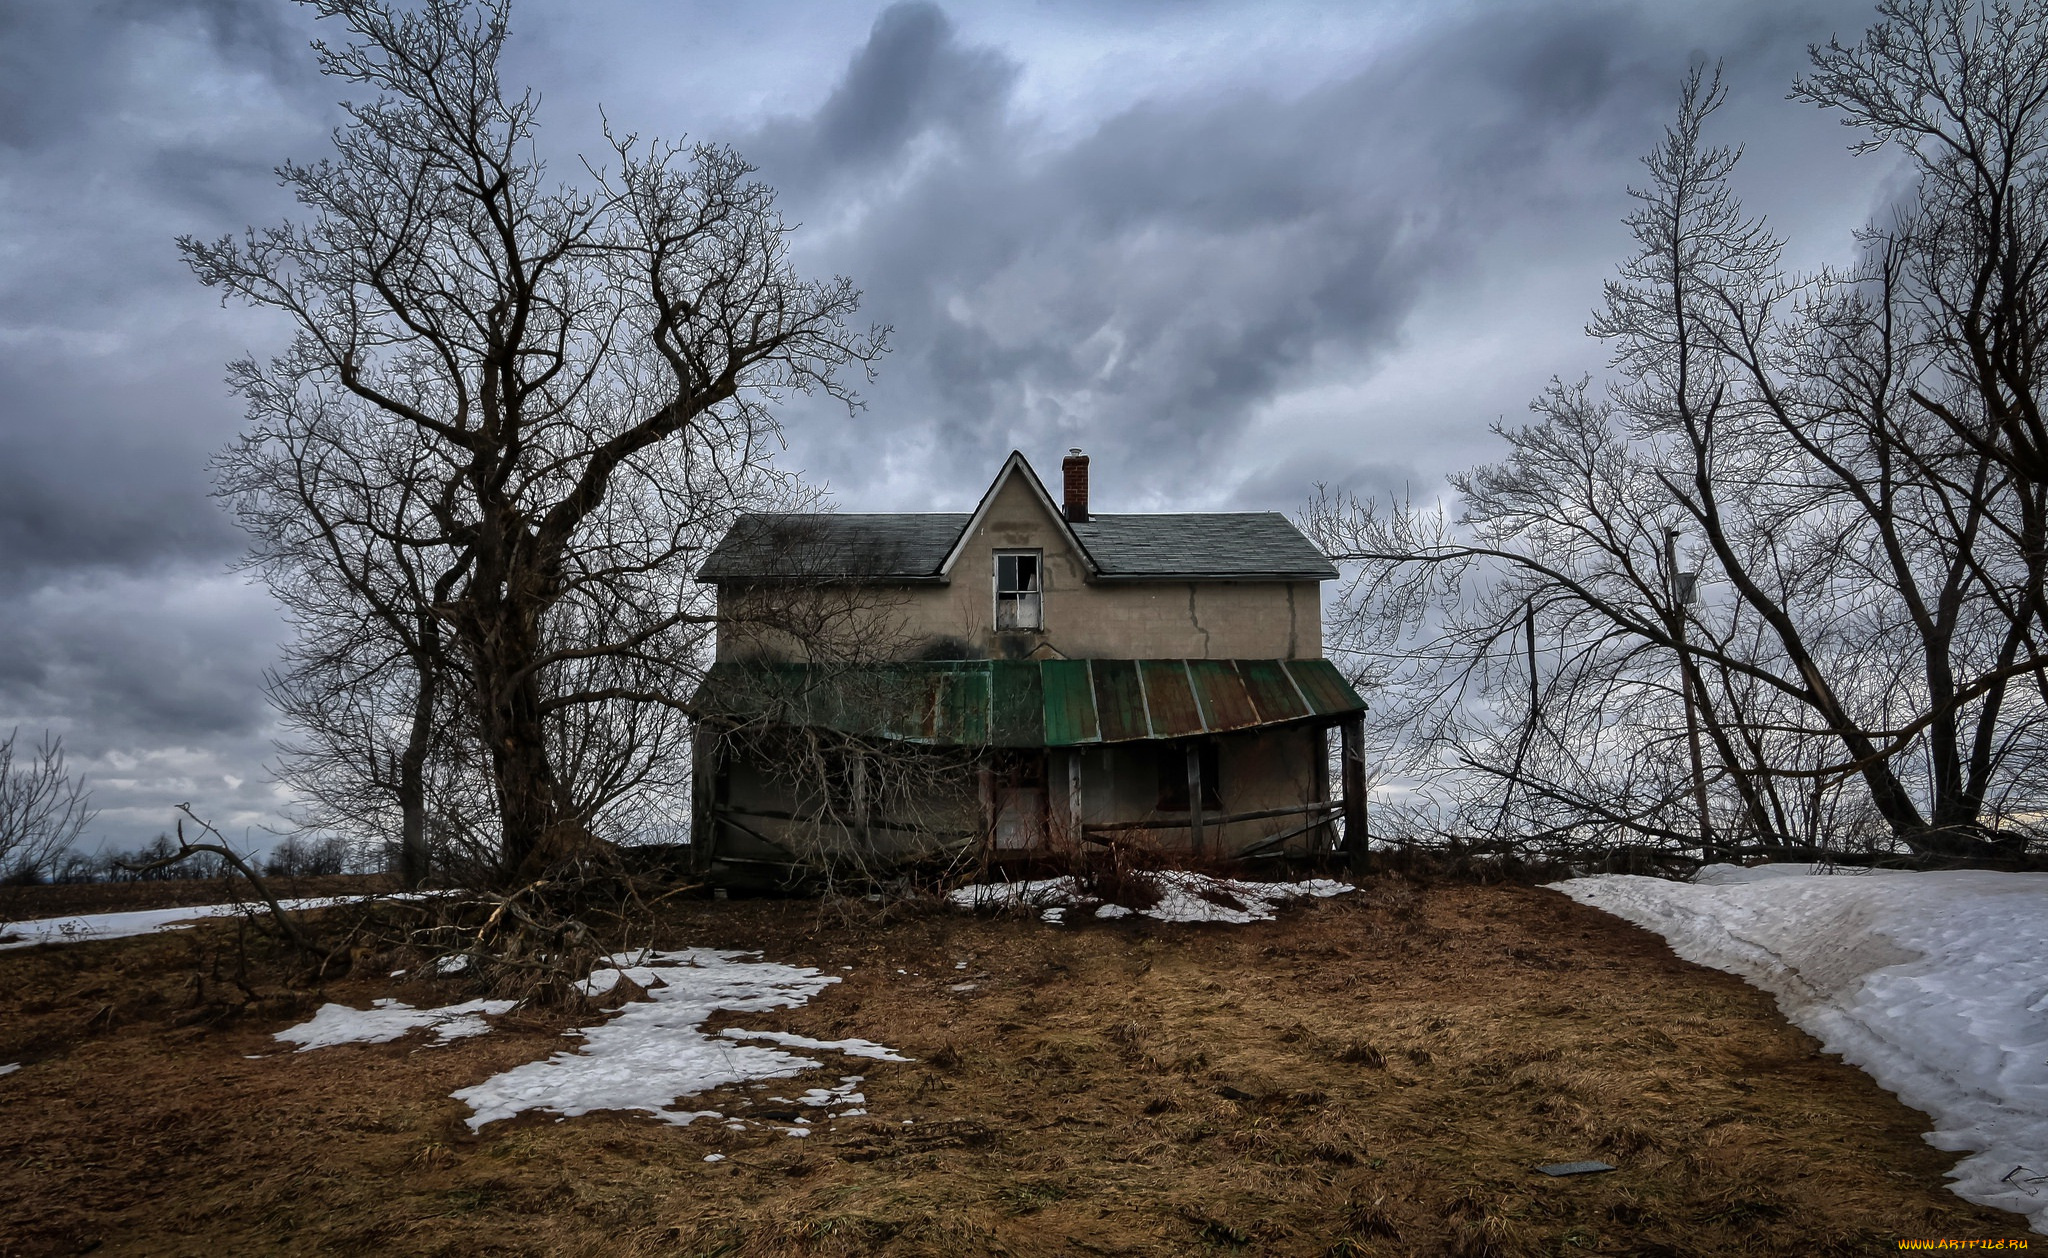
(1014,760)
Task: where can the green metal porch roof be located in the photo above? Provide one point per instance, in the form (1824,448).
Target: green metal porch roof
(1024,703)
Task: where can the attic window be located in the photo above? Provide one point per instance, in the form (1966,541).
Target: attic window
(1018,590)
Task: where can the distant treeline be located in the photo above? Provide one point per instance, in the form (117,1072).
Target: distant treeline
(293,858)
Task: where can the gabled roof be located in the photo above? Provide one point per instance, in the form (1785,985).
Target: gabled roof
(910,547)
(1017,466)
(1030,703)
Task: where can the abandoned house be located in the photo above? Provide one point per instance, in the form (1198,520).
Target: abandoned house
(1025,677)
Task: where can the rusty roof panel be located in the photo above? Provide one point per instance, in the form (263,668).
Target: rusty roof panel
(1271,692)
(1220,692)
(1168,698)
(1324,687)
(1119,701)
(1069,703)
(1019,703)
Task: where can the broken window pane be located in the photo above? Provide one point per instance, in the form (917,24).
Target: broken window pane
(1018,590)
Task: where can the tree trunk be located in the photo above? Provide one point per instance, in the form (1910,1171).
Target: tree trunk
(412,787)
(527,791)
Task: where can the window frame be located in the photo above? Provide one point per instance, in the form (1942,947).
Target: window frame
(1033,596)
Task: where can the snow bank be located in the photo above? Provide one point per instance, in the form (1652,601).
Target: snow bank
(1936,984)
(1184,896)
(386,1020)
(654,1052)
(10,1068)
(137,922)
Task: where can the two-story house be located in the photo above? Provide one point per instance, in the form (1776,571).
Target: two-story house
(1025,676)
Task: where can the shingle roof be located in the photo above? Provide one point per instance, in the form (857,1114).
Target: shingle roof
(1026,703)
(820,547)
(1190,544)
(1252,545)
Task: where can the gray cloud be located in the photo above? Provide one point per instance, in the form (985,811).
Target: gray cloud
(98,476)
(124,124)
(1146,287)
(1335,257)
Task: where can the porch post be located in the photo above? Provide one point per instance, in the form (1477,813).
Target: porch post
(985,783)
(704,769)
(1195,796)
(1074,810)
(1353,774)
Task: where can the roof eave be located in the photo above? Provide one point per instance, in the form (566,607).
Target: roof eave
(827,578)
(1134,577)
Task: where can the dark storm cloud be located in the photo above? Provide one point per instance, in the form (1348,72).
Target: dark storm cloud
(1154,264)
(1145,287)
(63,62)
(162,659)
(98,474)
(911,77)
(128,124)
(121,126)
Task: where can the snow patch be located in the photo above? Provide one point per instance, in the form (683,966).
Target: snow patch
(654,1052)
(10,1068)
(91,926)
(1935,984)
(386,1020)
(852,1048)
(1184,896)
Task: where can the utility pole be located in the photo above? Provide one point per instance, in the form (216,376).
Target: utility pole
(1529,632)
(1684,591)
(1507,793)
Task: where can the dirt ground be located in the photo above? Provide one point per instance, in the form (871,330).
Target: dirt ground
(1372,1074)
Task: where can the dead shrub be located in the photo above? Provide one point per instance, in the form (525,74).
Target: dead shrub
(534,943)
(1119,881)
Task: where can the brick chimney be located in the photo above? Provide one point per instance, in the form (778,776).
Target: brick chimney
(1074,469)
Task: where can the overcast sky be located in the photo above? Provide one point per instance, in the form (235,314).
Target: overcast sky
(1231,249)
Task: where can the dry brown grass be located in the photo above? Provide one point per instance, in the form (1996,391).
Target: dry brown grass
(1370,1075)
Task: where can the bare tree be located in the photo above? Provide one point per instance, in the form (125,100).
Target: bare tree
(577,380)
(1961,88)
(44,807)
(331,501)
(1874,580)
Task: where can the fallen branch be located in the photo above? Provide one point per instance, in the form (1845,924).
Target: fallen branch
(188,849)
